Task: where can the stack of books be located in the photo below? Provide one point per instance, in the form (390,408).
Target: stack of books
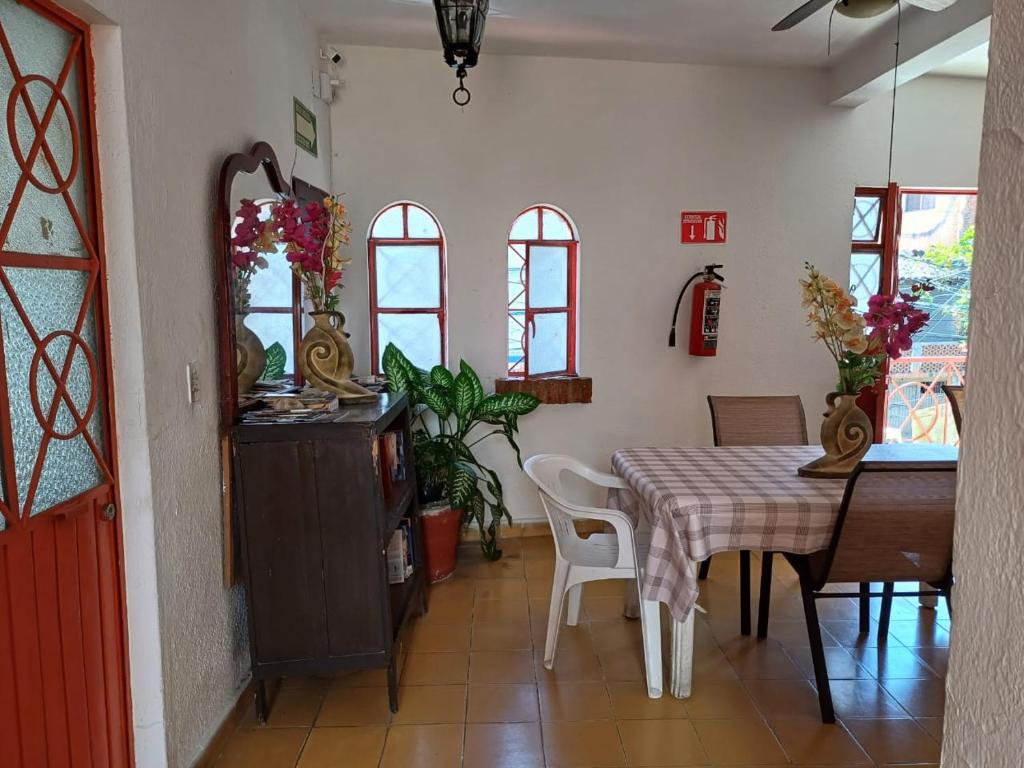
(391,449)
(401,559)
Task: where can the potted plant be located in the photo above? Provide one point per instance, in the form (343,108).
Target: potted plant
(860,343)
(446,468)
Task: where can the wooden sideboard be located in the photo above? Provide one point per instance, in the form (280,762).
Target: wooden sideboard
(315,517)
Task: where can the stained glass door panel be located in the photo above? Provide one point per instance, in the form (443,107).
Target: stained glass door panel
(63,678)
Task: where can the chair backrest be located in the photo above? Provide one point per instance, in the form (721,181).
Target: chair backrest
(762,420)
(895,524)
(546,471)
(955,394)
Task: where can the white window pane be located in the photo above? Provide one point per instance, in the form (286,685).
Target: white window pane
(555,227)
(422,225)
(548,343)
(866,214)
(525,227)
(272,287)
(408,276)
(865,277)
(418,336)
(271,327)
(389,223)
(516,277)
(549,276)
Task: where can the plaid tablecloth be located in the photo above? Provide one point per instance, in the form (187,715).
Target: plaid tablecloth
(699,501)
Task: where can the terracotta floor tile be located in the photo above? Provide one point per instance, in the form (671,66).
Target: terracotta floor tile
(502,589)
(610,636)
(784,698)
(541,607)
(936,658)
(888,663)
(438,637)
(583,745)
(503,704)
(840,662)
(569,666)
(502,636)
(847,634)
(289,708)
(509,609)
(542,569)
(933,726)
(602,608)
(863,698)
(793,633)
(538,589)
(265,747)
(717,699)
(626,664)
(355,706)
(363,678)
(509,567)
(423,746)
(921,698)
(764,660)
(661,743)
(503,745)
(428,704)
(631,702)
(501,667)
(739,742)
(920,634)
(436,669)
(895,741)
(344,747)
(807,741)
(560,701)
(448,609)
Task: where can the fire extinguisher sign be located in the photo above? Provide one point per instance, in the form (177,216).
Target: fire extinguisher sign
(704,227)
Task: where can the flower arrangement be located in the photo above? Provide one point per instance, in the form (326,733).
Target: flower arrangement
(861,342)
(312,236)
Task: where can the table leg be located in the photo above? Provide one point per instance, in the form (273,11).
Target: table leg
(682,657)
(927,601)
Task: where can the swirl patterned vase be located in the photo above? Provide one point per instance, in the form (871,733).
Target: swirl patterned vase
(326,359)
(846,435)
(250,356)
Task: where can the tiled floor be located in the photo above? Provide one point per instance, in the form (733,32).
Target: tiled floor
(475,694)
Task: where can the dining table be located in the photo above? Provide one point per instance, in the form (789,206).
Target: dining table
(696,502)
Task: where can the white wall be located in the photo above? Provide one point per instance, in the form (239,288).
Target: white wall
(201,80)
(984,703)
(623,148)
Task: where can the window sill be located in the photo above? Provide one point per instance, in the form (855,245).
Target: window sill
(551,390)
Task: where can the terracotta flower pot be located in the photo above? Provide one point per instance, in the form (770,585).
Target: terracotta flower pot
(250,356)
(846,435)
(441,526)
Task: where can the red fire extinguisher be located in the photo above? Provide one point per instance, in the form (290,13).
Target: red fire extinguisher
(707,304)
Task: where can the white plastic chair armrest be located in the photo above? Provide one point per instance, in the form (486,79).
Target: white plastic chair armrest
(603,479)
(620,522)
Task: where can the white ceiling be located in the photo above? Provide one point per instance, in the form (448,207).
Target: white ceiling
(688,31)
(971,64)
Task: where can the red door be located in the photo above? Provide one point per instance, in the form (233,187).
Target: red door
(63,678)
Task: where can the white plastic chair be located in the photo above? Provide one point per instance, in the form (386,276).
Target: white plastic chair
(618,555)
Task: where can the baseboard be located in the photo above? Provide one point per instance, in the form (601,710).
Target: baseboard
(227,727)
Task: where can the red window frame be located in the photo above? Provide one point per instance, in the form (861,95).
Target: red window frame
(887,243)
(376,311)
(572,282)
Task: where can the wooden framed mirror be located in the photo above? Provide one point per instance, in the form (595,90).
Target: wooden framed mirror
(275,311)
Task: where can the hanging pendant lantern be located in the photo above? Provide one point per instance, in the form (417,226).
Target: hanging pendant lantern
(461,26)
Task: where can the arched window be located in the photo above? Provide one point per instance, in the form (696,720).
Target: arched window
(542,271)
(407,285)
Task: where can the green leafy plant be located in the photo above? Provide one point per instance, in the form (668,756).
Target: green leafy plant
(276,359)
(443,446)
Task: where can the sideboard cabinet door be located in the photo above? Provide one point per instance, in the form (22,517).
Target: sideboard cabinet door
(355,571)
(281,536)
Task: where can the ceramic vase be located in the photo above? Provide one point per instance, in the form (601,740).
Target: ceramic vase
(326,359)
(846,435)
(250,356)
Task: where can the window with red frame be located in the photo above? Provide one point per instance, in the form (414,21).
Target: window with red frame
(542,285)
(407,285)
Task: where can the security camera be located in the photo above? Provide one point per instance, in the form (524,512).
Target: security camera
(333,54)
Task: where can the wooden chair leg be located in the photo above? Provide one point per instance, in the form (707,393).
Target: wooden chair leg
(828,714)
(765,597)
(702,573)
(949,602)
(883,619)
(865,607)
(745,592)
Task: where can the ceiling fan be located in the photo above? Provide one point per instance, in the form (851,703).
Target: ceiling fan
(855,9)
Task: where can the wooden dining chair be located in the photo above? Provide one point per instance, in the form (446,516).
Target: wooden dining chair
(759,420)
(895,524)
(955,396)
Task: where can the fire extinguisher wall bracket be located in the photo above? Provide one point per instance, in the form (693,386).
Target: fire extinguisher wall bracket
(707,298)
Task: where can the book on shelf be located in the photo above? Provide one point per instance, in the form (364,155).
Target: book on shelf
(393,456)
(400,557)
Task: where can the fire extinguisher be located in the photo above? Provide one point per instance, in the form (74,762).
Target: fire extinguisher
(707,305)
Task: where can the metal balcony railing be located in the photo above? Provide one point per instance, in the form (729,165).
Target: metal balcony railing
(915,406)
